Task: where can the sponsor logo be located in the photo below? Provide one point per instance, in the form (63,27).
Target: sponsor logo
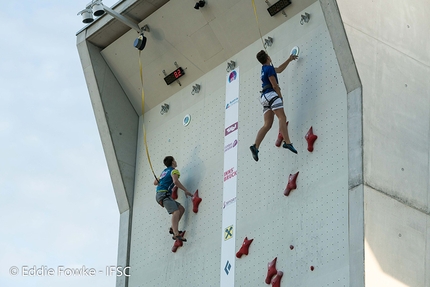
(232,128)
(230,146)
(228,233)
(228,202)
(232,102)
(232,76)
(186,120)
(227,267)
(229,174)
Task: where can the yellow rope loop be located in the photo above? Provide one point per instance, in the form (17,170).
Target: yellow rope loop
(258,24)
(143,111)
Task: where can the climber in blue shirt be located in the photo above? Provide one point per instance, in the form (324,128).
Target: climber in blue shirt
(168,179)
(272,101)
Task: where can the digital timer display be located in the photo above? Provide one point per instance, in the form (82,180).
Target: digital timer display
(278,6)
(173,76)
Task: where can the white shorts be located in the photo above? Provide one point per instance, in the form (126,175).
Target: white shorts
(265,99)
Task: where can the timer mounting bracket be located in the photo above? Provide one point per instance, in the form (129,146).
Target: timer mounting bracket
(174,76)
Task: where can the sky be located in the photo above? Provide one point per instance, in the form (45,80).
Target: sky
(57,205)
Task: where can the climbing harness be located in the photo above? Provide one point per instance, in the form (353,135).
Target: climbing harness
(270,103)
(167,194)
(265,88)
(263,94)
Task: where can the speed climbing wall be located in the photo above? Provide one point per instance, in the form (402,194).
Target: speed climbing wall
(308,231)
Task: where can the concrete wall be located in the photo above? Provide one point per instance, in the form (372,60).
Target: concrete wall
(118,123)
(116,119)
(390,44)
(315,218)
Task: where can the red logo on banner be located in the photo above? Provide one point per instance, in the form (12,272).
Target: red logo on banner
(229,174)
(231,128)
(232,76)
(230,146)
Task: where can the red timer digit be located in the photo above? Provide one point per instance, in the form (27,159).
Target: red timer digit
(176,74)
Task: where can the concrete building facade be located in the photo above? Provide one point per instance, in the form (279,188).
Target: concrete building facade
(360,213)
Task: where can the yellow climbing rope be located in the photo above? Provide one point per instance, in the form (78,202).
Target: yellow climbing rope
(143,111)
(258,24)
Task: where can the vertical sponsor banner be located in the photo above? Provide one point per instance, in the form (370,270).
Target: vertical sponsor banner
(230,179)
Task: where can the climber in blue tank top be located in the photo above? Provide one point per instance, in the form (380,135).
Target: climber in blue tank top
(165,183)
(272,102)
(169,178)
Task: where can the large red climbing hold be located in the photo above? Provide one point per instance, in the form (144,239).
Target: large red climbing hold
(178,243)
(196,201)
(175,192)
(311,138)
(245,247)
(271,270)
(279,139)
(276,282)
(291,184)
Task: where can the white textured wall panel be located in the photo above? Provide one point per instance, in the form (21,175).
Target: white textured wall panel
(314,218)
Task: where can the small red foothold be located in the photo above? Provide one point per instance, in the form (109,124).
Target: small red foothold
(271,270)
(196,201)
(312,268)
(291,184)
(245,247)
(178,243)
(276,282)
(310,138)
(279,139)
(175,192)
(291,247)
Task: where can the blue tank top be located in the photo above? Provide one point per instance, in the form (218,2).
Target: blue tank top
(266,72)
(166,181)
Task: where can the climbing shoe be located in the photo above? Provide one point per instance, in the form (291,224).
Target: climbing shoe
(290,147)
(254,151)
(179,237)
(171,231)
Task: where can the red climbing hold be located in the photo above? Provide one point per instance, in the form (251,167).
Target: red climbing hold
(175,192)
(271,270)
(178,243)
(312,268)
(276,282)
(245,247)
(310,138)
(279,139)
(196,201)
(291,247)
(291,183)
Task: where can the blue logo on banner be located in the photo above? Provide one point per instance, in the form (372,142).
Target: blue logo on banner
(232,102)
(227,267)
